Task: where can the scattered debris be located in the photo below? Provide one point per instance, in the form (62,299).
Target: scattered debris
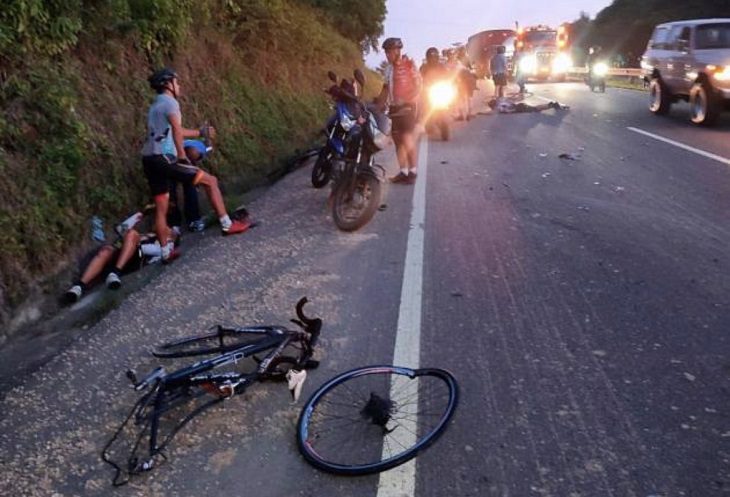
(543,155)
(444,162)
(382,207)
(583,208)
(569,156)
(690,377)
(620,189)
(545,175)
(457,294)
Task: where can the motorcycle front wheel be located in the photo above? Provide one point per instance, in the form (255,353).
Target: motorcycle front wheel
(353,207)
(322,170)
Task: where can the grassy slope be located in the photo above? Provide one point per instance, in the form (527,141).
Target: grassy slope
(71,126)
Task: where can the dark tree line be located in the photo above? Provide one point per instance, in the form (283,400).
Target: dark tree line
(360,20)
(624,27)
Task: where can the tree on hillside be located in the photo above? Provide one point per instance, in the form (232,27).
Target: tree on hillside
(361,21)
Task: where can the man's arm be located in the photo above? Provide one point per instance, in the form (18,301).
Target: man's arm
(178,134)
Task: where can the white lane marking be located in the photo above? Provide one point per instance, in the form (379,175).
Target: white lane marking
(401,481)
(697,151)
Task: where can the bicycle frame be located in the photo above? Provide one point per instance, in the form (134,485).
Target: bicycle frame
(171,390)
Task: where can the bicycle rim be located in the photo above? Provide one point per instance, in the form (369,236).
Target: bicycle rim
(375,418)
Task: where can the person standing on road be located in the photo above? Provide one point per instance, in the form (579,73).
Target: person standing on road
(164,159)
(401,90)
(498,68)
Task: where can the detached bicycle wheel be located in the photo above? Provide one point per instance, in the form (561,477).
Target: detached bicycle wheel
(375,418)
(220,341)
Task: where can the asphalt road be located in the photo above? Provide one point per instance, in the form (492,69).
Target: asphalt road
(582,304)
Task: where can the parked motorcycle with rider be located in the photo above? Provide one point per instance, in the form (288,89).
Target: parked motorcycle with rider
(356,178)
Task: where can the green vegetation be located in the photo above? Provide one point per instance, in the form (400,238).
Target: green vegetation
(625,26)
(74,95)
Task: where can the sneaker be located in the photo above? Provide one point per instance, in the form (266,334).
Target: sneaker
(113,282)
(174,254)
(237,227)
(73,294)
(400,178)
(197,226)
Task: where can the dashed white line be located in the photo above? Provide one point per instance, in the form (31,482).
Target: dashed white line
(697,151)
(401,481)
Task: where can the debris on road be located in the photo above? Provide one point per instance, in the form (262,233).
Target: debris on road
(545,175)
(569,156)
(543,155)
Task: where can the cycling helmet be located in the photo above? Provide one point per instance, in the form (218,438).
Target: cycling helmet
(432,53)
(161,77)
(392,43)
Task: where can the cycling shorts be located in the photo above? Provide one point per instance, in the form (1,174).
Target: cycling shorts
(161,171)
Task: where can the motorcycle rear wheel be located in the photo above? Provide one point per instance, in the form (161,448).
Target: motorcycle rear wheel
(353,209)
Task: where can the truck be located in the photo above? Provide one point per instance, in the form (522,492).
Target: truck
(481,46)
(544,52)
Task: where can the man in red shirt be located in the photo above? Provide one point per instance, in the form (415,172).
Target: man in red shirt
(401,90)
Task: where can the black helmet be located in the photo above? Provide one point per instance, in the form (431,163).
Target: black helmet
(161,77)
(392,43)
(432,52)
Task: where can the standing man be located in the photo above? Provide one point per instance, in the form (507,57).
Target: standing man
(164,159)
(498,68)
(401,90)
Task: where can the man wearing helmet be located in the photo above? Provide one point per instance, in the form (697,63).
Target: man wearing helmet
(401,91)
(164,159)
(432,70)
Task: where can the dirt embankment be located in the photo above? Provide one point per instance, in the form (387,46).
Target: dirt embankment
(73,116)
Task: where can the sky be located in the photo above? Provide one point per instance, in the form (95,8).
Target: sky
(424,23)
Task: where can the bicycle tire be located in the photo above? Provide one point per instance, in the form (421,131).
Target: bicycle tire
(363,418)
(205,344)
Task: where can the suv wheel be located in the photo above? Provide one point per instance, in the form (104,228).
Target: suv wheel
(704,108)
(660,100)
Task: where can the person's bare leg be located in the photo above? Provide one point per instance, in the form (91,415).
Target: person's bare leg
(129,246)
(210,183)
(162,202)
(409,144)
(97,264)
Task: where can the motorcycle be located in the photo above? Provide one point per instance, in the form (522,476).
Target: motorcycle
(597,77)
(356,178)
(441,95)
(335,130)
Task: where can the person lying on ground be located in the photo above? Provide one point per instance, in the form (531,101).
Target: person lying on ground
(506,106)
(112,261)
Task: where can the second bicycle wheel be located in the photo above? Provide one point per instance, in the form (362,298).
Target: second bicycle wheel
(374,418)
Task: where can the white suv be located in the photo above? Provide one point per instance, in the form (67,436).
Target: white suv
(690,60)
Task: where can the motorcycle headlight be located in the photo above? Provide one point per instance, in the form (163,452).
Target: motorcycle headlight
(528,65)
(347,122)
(562,63)
(600,69)
(441,95)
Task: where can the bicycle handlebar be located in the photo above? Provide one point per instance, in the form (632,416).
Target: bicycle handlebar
(310,325)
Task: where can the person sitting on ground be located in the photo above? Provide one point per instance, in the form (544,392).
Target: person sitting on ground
(196,151)
(506,106)
(164,159)
(129,253)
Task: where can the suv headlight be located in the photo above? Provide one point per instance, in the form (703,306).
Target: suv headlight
(722,73)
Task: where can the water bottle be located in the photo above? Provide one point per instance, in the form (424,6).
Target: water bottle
(97,229)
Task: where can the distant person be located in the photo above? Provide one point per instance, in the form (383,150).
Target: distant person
(164,159)
(506,106)
(402,91)
(520,76)
(498,69)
